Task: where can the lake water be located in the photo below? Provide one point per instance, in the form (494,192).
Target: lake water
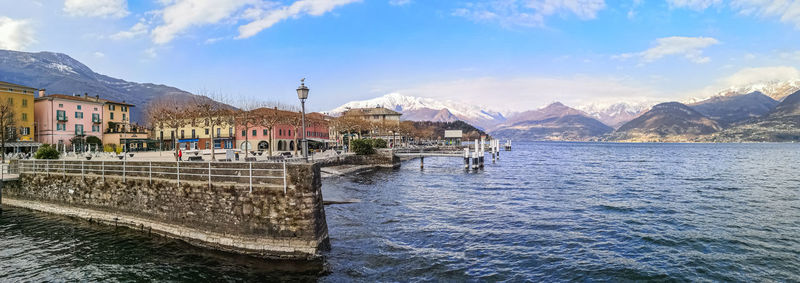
(543,212)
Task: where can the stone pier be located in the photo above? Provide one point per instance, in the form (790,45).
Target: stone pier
(280,218)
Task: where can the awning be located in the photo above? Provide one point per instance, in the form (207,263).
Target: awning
(23,144)
(189,140)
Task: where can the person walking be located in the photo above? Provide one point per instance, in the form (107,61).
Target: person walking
(180,155)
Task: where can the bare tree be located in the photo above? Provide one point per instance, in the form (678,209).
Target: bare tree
(7,124)
(248,117)
(269,118)
(212,113)
(294,120)
(166,114)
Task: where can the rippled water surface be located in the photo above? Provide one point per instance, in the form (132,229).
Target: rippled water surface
(544,212)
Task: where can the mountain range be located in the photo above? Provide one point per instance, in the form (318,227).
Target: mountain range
(61,74)
(767,111)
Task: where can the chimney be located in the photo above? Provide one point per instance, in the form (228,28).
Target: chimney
(276,107)
(85,95)
(96,97)
(41,93)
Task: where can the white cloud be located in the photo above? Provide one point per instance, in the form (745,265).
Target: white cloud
(750,76)
(399,2)
(528,13)
(96,8)
(180,15)
(697,5)
(786,11)
(15,34)
(98,54)
(269,18)
(690,48)
(139,28)
(151,52)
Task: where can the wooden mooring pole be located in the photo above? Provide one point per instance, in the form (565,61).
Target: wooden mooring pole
(422,162)
(466,158)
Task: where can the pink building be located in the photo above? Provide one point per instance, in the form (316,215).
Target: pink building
(284,137)
(60,118)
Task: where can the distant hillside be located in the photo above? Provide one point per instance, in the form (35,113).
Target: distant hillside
(670,121)
(782,124)
(428,109)
(554,122)
(732,109)
(438,128)
(59,73)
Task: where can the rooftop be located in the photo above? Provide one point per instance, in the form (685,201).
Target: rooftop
(2,83)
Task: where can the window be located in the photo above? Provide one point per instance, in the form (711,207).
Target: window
(61,127)
(26,131)
(265,133)
(112,107)
(206,131)
(290,132)
(193,134)
(95,128)
(95,109)
(244,133)
(255,133)
(61,115)
(218,131)
(24,103)
(208,144)
(172,135)
(217,144)
(78,114)
(79,130)
(60,105)
(123,116)
(79,107)
(95,117)
(181,133)
(230,132)
(10,101)
(24,116)
(112,115)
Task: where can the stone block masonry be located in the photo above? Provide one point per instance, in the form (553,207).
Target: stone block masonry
(222,214)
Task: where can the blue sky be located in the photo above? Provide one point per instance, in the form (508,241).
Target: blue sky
(506,54)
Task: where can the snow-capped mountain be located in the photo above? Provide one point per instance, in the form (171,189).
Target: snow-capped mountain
(428,109)
(614,115)
(777,90)
(60,73)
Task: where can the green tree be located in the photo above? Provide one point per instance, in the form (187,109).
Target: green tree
(46,152)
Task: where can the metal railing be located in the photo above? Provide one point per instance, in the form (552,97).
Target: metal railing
(239,174)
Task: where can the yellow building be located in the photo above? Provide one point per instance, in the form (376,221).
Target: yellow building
(196,136)
(21,99)
(117,115)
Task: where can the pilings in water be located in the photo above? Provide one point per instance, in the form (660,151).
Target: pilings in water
(422,162)
(466,158)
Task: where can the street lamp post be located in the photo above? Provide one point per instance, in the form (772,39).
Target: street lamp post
(302,94)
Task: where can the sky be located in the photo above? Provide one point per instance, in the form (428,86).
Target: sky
(509,55)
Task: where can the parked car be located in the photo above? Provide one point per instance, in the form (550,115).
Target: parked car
(285,154)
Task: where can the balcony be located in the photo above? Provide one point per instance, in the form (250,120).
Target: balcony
(61,118)
(97,120)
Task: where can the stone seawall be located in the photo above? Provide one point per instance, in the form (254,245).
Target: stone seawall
(382,158)
(266,222)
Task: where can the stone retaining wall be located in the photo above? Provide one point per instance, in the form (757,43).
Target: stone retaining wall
(382,158)
(223,215)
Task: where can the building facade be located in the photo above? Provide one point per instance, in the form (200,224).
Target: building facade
(375,115)
(21,99)
(196,137)
(61,118)
(284,136)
